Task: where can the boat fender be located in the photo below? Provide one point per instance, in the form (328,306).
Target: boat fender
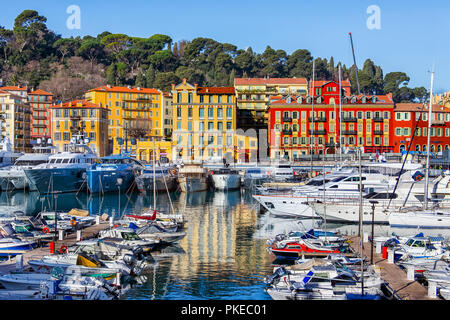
(46,230)
(43,266)
(63,249)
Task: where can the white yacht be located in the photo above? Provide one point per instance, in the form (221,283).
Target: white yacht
(14,178)
(282,172)
(7,156)
(225,179)
(64,172)
(341,186)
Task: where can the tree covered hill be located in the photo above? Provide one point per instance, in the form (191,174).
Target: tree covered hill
(33,55)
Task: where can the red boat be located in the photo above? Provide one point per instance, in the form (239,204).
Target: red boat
(295,249)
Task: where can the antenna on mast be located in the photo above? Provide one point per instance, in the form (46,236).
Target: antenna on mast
(354,61)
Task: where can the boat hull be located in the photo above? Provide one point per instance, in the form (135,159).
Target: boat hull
(190,184)
(60,179)
(413,220)
(286,207)
(226,181)
(106,181)
(144,183)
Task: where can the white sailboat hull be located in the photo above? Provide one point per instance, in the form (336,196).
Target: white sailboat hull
(420,219)
(286,206)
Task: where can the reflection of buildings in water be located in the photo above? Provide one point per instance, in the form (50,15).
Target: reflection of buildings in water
(27,202)
(226,198)
(31,203)
(190,199)
(218,241)
(269,226)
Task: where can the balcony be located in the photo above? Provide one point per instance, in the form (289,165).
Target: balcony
(378,132)
(437,122)
(317,119)
(287,119)
(378,119)
(349,132)
(39,126)
(331,144)
(286,132)
(318,132)
(349,119)
(39,118)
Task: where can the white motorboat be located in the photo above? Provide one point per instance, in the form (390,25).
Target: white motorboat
(154,232)
(226,179)
(127,238)
(14,178)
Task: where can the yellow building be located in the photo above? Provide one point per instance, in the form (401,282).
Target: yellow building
(441,99)
(80,117)
(134,112)
(15,121)
(204,124)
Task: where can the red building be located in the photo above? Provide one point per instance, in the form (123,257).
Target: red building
(299,126)
(407,120)
(329,89)
(40,101)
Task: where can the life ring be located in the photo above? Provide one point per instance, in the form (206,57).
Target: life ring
(43,266)
(173,171)
(73,222)
(115,226)
(419,178)
(63,249)
(46,230)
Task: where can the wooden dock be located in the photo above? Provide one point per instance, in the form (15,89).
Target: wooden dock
(69,239)
(391,273)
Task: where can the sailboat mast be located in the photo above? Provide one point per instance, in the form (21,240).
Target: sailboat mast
(354,61)
(340,112)
(361,221)
(311,136)
(427,168)
(154,175)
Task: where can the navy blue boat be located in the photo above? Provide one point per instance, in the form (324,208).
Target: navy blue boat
(104,176)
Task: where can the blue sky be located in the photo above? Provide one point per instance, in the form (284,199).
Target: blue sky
(412,36)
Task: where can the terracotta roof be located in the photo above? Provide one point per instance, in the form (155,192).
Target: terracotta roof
(215,90)
(125,89)
(40,92)
(266,81)
(381,99)
(418,107)
(320,83)
(13,88)
(77,104)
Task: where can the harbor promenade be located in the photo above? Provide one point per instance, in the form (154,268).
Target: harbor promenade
(69,239)
(396,277)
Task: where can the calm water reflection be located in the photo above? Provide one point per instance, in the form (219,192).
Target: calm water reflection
(223,255)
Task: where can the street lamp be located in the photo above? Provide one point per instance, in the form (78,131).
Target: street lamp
(373,202)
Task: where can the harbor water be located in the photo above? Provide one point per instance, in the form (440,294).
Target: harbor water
(223,255)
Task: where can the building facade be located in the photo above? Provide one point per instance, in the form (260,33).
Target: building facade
(300,125)
(253,96)
(411,127)
(135,114)
(80,118)
(15,121)
(204,124)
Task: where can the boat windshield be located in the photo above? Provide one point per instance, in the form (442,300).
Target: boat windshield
(130,236)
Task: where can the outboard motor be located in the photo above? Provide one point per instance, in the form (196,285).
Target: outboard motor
(138,252)
(129,259)
(276,275)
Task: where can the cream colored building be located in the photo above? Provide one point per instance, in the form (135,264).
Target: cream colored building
(15,121)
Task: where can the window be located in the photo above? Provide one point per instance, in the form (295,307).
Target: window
(219,113)
(201,113)
(229,126)
(229,113)
(92,136)
(66,136)
(179,112)
(210,113)
(190,113)
(219,99)
(210,126)
(201,98)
